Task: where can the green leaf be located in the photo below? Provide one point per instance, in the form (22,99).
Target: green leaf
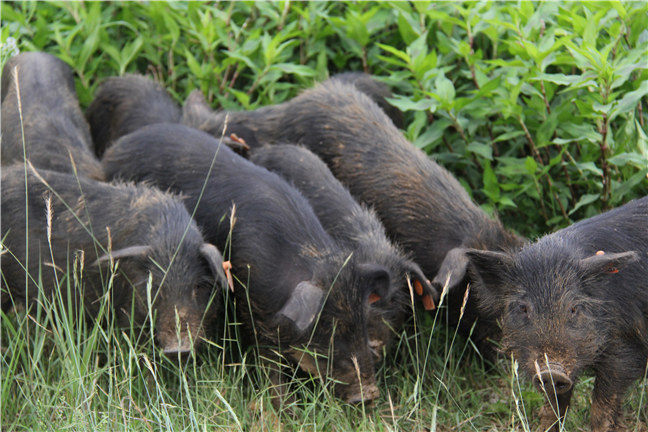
(193,64)
(483,150)
(242,97)
(398,53)
(171,26)
(294,69)
(487,88)
(559,78)
(618,193)
(629,101)
(509,135)
(507,202)
(618,6)
(244,59)
(128,54)
(407,104)
(584,200)
(531,165)
(407,29)
(623,159)
(444,88)
(433,133)
(89,47)
(491,186)
(591,167)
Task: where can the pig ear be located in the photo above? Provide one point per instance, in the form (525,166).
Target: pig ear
(127,252)
(237,144)
(452,270)
(303,305)
(489,266)
(604,263)
(422,285)
(195,106)
(215,260)
(375,282)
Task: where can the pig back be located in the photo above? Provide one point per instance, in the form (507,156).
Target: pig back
(41,117)
(64,218)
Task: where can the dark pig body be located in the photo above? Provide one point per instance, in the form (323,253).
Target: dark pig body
(124,104)
(422,206)
(378,92)
(303,289)
(576,299)
(358,228)
(56,135)
(150,233)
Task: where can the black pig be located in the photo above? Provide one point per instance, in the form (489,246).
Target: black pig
(148,231)
(573,300)
(303,289)
(422,206)
(124,104)
(47,118)
(358,228)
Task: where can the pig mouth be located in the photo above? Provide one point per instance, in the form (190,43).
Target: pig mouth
(552,378)
(183,344)
(365,395)
(182,347)
(376,347)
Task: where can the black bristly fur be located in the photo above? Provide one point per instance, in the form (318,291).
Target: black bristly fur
(56,135)
(376,90)
(422,206)
(276,243)
(124,104)
(355,226)
(558,297)
(134,215)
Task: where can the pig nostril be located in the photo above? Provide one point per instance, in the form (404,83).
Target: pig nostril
(552,381)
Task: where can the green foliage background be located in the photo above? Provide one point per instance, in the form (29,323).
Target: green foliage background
(540,110)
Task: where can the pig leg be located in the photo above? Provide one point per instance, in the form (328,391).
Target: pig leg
(606,414)
(614,375)
(606,411)
(553,412)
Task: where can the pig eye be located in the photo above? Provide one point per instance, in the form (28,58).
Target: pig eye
(575,309)
(523,308)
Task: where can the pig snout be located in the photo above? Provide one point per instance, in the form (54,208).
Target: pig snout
(181,336)
(364,394)
(553,379)
(361,391)
(172,347)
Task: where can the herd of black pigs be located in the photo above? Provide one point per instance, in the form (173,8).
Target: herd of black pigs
(334,226)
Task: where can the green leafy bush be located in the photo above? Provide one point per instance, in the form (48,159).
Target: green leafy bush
(539,109)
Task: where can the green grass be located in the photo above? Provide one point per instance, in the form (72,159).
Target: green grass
(61,372)
(531,105)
